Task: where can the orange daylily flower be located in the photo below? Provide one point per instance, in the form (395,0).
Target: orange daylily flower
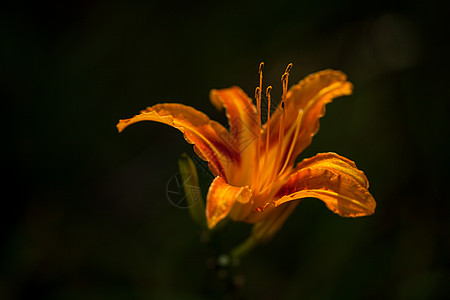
(256,180)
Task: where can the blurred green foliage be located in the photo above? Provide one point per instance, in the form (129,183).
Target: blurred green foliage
(85,212)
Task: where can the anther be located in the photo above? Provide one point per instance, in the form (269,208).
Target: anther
(261,67)
(268,90)
(257,93)
(288,68)
(284,80)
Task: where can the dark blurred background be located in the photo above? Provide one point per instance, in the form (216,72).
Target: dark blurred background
(84,209)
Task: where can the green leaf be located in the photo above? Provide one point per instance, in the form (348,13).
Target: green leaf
(192,190)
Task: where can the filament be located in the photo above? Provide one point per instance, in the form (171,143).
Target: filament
(284,81)
(261,178)
(258,120)
(294,140)
(269,89)
(279,145)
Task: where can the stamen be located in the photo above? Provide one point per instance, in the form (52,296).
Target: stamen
(294,140)
(266,154)
(269,89)
(258,113)
(284,81)
(279,145)
(258,98)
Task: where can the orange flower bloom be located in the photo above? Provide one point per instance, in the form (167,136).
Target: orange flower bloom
(256,181)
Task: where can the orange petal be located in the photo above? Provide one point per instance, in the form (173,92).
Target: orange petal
(210,139)
(244,127)
(224,199)
(310,95)
(333,179)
